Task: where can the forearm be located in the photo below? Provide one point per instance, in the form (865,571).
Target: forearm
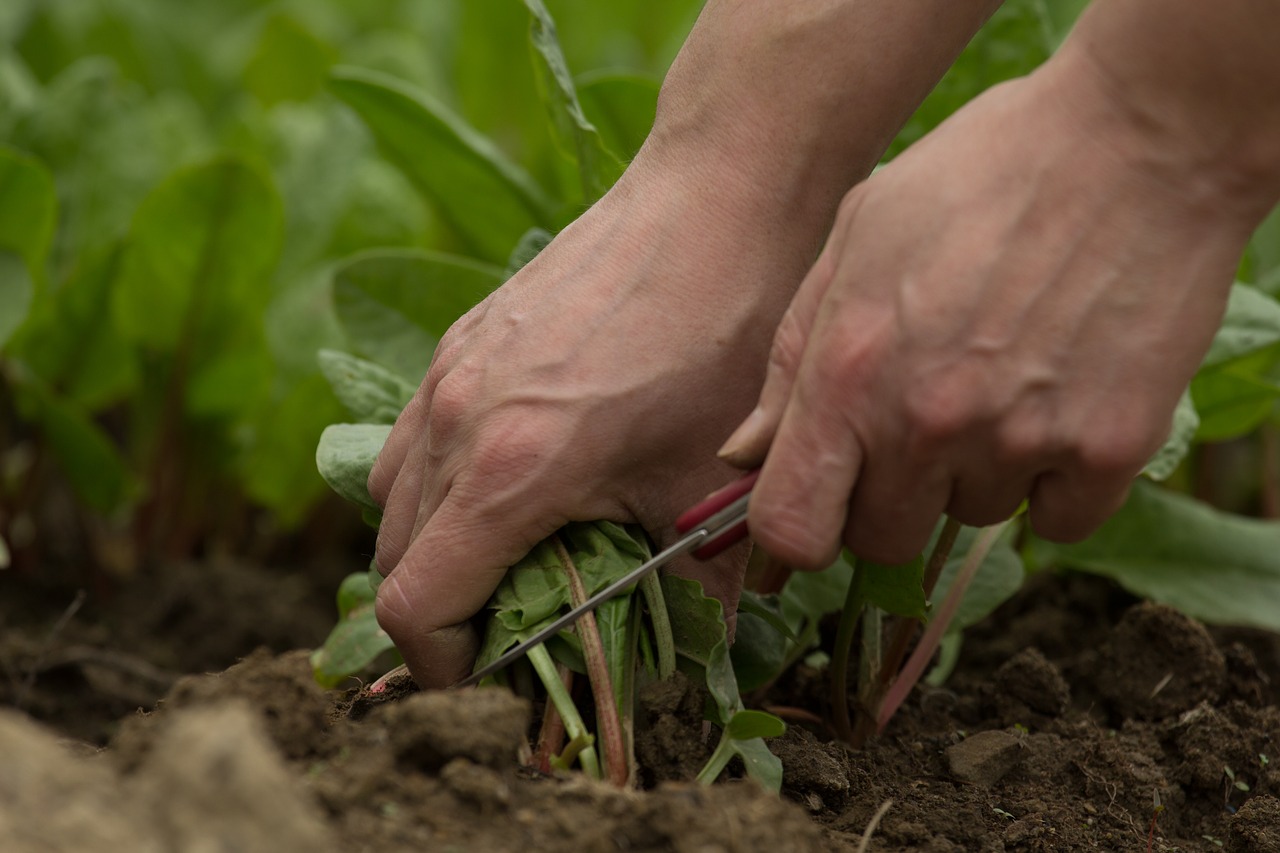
(1201,81)
(800,99)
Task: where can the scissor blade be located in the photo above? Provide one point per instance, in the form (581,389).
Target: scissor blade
(734,514)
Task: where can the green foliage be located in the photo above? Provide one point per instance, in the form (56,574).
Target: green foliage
(345,456)
(486,198)
(1212,565)
(356,641)
(395,304)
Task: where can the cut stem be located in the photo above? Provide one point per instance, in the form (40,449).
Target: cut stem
(559,696)
(551,734)
(607,721)
(905,629)
(938,624)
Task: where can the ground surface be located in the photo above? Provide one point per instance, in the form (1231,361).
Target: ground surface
(1069,713)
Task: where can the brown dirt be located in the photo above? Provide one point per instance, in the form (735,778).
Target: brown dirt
(1071,710)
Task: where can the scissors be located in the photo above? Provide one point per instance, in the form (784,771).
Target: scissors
(708,528)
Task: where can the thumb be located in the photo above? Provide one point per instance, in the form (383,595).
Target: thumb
(747,446)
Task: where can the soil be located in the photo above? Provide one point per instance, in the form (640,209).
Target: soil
(127,724)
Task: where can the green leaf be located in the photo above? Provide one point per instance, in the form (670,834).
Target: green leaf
(4,554)
(578,138)
(621,106)
(813,595)
(71,343)
(487,199)
(200,256)
(1233,398)
(1167,547)
(15,293)
(354,643)
(999,577)
(746,725)
(345,456)
(372,394)
(289,63)
(28,207)
(895,589)
(278,468)
(1251,323)
(87,456)
(355,591)
(1181,434)
(697,622)
(759,648)
(767,609)
(530,245)
(396,304)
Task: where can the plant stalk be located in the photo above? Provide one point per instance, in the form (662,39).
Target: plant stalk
(904,630)
(607,722)
(663,638)
(938,624)
(558,695)
(855,600)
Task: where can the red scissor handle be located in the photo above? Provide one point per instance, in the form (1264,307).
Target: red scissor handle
(715,502)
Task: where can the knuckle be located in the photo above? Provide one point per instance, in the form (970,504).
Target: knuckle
(794,541)
(788,345)
(393,610)
(452,400)
(1114,453)
(940,411)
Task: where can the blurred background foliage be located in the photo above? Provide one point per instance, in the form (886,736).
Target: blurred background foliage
(182,184)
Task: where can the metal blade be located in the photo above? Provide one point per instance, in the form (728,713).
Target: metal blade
(735,513)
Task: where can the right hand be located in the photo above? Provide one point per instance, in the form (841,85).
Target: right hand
(596,384)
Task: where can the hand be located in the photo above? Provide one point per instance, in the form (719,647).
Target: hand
(1009,310)
(596,384)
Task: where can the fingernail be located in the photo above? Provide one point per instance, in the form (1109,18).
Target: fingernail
(743,437)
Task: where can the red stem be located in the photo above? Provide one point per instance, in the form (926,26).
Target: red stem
(613,745)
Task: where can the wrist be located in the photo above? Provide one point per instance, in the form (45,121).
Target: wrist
(1201,122)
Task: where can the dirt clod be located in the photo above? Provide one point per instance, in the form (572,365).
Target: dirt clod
(1031,679)
(985,758)
(1158,663)
(1255,828)
(428,730)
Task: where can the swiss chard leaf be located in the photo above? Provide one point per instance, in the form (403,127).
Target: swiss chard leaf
(698,625)
(395,304)
(621,106)
(356,641)
(1211,565)
(345,456)
(1181,434)
(371,393)
(598,168)
(489,200)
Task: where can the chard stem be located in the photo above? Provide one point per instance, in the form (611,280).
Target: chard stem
(559,696)
(938,624)
(663,637)
(718,761)
(607,721)
(855,600)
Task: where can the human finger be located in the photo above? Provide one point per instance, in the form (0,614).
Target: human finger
(800,502)
(749,443)
(448,572)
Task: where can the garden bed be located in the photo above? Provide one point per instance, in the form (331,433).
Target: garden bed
(1071,710)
